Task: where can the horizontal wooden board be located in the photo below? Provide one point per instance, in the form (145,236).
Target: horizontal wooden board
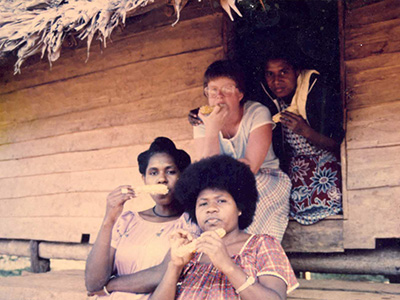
(364,69)
(372,39)
(354,4)
(374,167)
(119,157)
(85,181)
(371,287)
(74,204)
(339,293)
(124,48)
(50,228)
(323,236)
(375,126)
(119,136)
(119,85)
(372,13)
(69,284)
(372,70)
(60,285)
(370,93)
(373,213)
(169,106)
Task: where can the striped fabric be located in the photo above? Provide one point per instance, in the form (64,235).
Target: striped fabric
(272,211)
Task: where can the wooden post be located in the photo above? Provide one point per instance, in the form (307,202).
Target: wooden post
(38,264)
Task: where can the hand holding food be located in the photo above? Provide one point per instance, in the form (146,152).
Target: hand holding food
(293,109)
(206,109)
(191,247)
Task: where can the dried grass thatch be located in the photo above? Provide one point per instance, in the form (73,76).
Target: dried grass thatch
(28,27)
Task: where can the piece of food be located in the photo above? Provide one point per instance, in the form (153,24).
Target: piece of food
(191,247)
(277,118)
(161,189)
(206,109)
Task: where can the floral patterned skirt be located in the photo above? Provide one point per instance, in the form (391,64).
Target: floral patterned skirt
(316,187)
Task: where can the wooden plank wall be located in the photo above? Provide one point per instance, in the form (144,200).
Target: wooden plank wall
(372,62)
(71,134)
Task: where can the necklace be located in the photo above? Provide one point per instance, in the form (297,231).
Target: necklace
(161,216)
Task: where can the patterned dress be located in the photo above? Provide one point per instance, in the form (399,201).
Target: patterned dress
(261,255)
(316,180)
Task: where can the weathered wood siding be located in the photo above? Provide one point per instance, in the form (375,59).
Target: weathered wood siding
(71,134)
(372,68)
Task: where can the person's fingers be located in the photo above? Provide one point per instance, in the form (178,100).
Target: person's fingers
(181,234)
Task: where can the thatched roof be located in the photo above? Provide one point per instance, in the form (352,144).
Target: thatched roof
(28,27)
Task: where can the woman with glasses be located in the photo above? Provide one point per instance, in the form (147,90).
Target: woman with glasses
(243,130)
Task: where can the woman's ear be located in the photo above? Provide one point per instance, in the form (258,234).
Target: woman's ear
(240,213)
(241,95)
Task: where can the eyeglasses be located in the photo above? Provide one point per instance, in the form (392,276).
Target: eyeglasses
(226,90)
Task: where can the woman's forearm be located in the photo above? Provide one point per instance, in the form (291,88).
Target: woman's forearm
(208,146)
(320,140)
(166,290)
(257,291)
(144,281)
(99,263)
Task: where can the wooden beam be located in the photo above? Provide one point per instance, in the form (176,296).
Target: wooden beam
(64,251)
(323,236)
(68,230)
(38,264)
(370,262)
(15,247)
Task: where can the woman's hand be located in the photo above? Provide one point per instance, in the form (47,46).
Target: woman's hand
(214,247)
(178,239)
(295,123)
(298,125)
(116,200)
(193,117)
(97,293)
(215,121)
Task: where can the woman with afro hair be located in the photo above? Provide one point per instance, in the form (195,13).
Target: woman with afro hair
(220,193)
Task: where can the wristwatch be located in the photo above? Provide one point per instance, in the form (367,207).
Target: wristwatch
(250,280)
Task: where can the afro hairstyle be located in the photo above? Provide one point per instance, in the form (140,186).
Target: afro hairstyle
(220,172)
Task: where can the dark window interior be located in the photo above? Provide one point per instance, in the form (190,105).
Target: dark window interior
(307,30)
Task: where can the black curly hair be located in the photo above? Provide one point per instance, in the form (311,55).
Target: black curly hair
(163,145)
(220,172)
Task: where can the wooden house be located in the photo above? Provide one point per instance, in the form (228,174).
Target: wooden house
(70,134)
